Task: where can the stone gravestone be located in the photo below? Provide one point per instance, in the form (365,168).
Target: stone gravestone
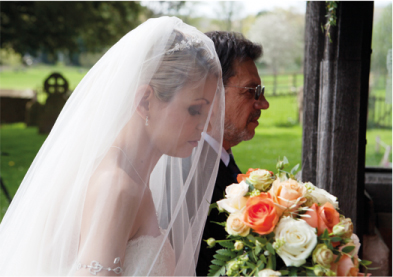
(56,87)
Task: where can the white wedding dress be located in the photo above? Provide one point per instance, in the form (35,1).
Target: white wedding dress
(140,254)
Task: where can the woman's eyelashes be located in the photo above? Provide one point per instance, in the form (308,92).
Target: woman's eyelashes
(195,110)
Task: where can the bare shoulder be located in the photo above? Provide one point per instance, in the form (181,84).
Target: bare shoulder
(116,182)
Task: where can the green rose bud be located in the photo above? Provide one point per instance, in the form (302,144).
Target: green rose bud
(261,179)
(239,245)
(211,242)
(280,165)
(232,267)
(344,228)
(255,192)
(322,255)
(319,271)
(244,258)
(338,229)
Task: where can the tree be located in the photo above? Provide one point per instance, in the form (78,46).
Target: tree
(382,41)
(281,34)
(66,26)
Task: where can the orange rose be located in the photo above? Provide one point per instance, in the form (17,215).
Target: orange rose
(260,214)
(324,217)
(287,194)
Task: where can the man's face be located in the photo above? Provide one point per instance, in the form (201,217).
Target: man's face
(242,111)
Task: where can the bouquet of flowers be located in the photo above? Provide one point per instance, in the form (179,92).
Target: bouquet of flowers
(277,225)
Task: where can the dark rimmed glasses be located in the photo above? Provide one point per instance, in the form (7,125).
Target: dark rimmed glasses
(259,90)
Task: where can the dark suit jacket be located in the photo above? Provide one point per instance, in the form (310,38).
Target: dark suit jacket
(212,230)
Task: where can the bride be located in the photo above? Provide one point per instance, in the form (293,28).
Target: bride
(94,200)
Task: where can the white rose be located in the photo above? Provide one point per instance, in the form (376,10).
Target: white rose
(299,240)
(236,190)
(261,179)
(321,195)
(235,225)
(232,205)
(268,273)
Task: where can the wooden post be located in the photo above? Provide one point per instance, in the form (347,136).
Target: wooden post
(341,125)
(313,54)
(274,83)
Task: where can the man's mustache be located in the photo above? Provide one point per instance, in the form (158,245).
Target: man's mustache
(254,115)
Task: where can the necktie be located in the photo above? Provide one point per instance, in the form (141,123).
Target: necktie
(233,167)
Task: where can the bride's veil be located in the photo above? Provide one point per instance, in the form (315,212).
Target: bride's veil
(87,192)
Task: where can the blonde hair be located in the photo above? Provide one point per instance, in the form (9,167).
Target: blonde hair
(181,67)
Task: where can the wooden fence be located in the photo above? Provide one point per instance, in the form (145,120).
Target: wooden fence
(282,84)
(379,113)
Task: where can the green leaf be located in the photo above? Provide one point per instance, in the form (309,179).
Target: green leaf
(218,262)
(338,258)
(248,243)
(270,236)
(271,262)
(284,272)
(250,186)
(261,266)
(222,257)
(285,160)
(270,248)
(325,234)
(251,238)
(251,265)
(293,271)
(211,207)
(348,249)
(263,258)
(227,244)
(310,272)
(365,262)
(294,169)
(258,249)
(336,252)
(224,252)
(219,223)
(216,270)
(335,239)
(214,267)
(262,240)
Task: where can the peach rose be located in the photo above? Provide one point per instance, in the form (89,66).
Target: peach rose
(260,214)
(346,266)
(324,217)
(287,195)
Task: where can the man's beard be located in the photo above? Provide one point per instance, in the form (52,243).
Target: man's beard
(236,135)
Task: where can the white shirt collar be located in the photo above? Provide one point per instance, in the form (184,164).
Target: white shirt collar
(216,146)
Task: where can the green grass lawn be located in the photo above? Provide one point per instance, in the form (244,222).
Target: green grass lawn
(34,77)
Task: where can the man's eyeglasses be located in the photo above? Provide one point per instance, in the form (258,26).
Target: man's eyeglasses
(259,90)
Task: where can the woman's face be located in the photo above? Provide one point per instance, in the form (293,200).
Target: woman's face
(176,126)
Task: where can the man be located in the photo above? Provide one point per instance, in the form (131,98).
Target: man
(244,101)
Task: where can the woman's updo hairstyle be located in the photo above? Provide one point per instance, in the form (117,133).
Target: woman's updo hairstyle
(187,61)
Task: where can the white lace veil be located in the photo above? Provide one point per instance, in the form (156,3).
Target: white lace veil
(140,110)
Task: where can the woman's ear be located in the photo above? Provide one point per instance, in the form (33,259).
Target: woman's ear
(143,108)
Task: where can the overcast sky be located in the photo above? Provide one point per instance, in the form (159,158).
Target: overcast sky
(249,7)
